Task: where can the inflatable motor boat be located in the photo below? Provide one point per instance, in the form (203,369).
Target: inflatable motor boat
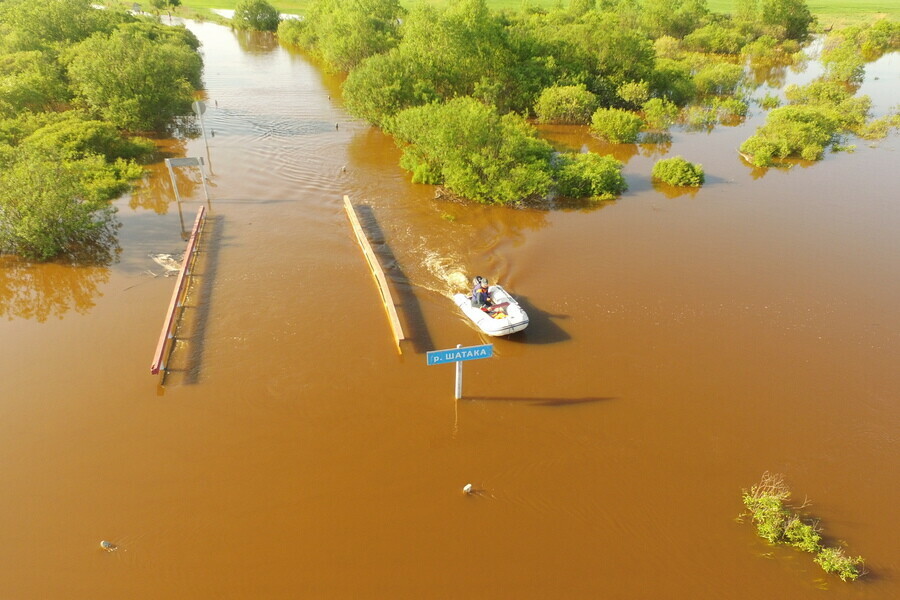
(505,316)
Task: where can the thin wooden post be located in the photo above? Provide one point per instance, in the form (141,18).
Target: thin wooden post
(377,272)
(169,324)
(458,377)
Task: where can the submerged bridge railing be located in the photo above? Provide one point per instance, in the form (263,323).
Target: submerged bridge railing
(164,345)
(386,298)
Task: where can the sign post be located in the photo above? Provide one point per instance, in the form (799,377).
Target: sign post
(458,355)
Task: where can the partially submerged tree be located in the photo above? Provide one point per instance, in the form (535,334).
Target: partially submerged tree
(616,125)
(572,104)
(344,32)
(257,15)
(72,77)
(678,171)
(154,79)
(50,205)
(475,152)
(590,175)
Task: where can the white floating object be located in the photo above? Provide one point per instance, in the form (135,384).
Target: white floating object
(468,489)
(108,546)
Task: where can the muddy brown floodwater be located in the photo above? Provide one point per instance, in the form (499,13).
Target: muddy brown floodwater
(680,346)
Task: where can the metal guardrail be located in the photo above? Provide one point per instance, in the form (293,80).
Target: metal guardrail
(377,271)
(163,347)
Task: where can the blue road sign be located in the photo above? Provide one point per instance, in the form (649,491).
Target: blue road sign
(439,357)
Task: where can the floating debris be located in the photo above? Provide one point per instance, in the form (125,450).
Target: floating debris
(108,546)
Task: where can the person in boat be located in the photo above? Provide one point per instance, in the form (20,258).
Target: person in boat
(480,296)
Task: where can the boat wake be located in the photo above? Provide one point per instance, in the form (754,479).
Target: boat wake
(449,275)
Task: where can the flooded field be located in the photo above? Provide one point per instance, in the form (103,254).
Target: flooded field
(680,345)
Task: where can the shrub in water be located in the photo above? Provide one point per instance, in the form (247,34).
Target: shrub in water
(802,535)
(590,175)
(617,126)
(700,117)
(833,560)
(659,113)
(719,78)
(803,131)
(776,523)
(257,15)
(634,93)
(678,171)
(569,104)
(769,101)
(730,108)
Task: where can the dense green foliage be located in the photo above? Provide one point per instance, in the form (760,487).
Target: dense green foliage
(817,115)
(463,51)
(778,524)
(590,175)
(470,148)
(572,104)
(165,4)
(558,64)
(50,205)
(156,73)
(659,113)
(344,32)
(719,78)
(616,125)
(833,560)
(821,113)
(678,171)
(256,15)
(72,79)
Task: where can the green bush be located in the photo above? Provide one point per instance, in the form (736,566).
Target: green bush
(802,536)
(468,147)
(667,47)
(31,80)
(256,15)
(572,104)
(75,135)
(590,175)
(155,75)
(833,560)
(716,38)
(769,101)
(678,171)
(50,205)
(844,63)
(719,78)
(818,114)
(634,93)
(786,19)
(730,108)
(879,128)
(698,117)
(659,113)
(616,125)
(776,523)
(294,32)
(345,32)
(763,49)
(672,80)
(792,131)
(876,39)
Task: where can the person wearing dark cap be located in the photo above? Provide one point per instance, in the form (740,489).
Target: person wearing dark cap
(480,296)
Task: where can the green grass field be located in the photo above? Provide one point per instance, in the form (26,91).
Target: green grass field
(838,12)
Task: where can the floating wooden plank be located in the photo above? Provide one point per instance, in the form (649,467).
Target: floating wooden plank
(168,331)
(377,272)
